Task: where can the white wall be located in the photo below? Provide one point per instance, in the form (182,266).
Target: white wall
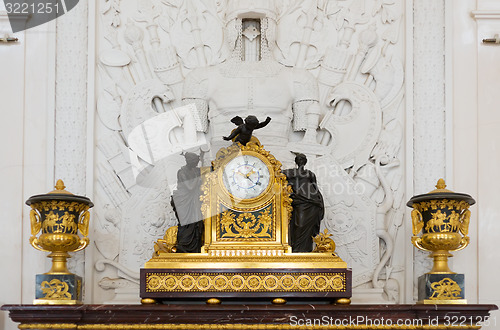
(27,93)
(476,142)
(488,153)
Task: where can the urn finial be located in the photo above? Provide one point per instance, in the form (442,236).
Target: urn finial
(60,188)
(441,184)
(440,187)
(60,185)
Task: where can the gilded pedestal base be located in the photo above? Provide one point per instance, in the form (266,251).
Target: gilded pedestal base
(58,289)
(441,289)
(315,276)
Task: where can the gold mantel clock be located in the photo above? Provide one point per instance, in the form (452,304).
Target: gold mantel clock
(247,207)
(246,203)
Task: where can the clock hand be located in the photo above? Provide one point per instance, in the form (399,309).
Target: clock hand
(250,173)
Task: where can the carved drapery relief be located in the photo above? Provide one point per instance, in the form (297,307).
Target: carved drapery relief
(330,75)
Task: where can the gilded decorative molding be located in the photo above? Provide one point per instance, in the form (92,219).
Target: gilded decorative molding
(245,282)
(308,260)
(65,326)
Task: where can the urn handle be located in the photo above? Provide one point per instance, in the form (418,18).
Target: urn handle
(36,224)
(463,243)
(34,243)
(464,223)
(83,244)
(417,221)
(83,223)
(417,241)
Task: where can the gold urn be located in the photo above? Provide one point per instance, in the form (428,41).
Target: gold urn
(59,215)
(442,216)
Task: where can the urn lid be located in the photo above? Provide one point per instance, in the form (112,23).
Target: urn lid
(59,194)
(441,193)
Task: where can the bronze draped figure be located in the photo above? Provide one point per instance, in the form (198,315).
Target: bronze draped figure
(187,206)
(308,206)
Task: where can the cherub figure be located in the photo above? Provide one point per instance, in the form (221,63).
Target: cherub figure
(243,133)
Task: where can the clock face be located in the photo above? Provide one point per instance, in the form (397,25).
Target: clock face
(246,176)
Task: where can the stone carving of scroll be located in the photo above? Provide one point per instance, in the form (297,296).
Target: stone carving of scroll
(168,68)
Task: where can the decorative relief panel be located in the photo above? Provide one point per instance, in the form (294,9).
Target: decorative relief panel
(429,149)
(330,75)
(70,135)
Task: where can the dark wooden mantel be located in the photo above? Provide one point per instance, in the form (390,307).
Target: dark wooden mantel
(249,316)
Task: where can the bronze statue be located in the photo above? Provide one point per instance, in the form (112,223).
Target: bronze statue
(187,205)
(308,206)
(243,133)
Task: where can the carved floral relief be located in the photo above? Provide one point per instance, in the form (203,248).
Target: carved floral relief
(173,72)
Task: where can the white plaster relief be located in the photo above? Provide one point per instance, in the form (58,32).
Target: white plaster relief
(71,107)
(429,94)
(429,124)
(321,65)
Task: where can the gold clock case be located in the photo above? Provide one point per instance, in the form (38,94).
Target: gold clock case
(219,207)
(246,254)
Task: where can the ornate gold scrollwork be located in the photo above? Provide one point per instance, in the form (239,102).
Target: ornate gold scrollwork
(237,282)
(168,243)
(55,290)
(246,225)
(324,243)
(446,289)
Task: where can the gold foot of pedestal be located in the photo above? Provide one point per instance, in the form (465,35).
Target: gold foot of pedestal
(279,301)
(343,301)
(148,301)
(213,301)
(442,302)
(56,302)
